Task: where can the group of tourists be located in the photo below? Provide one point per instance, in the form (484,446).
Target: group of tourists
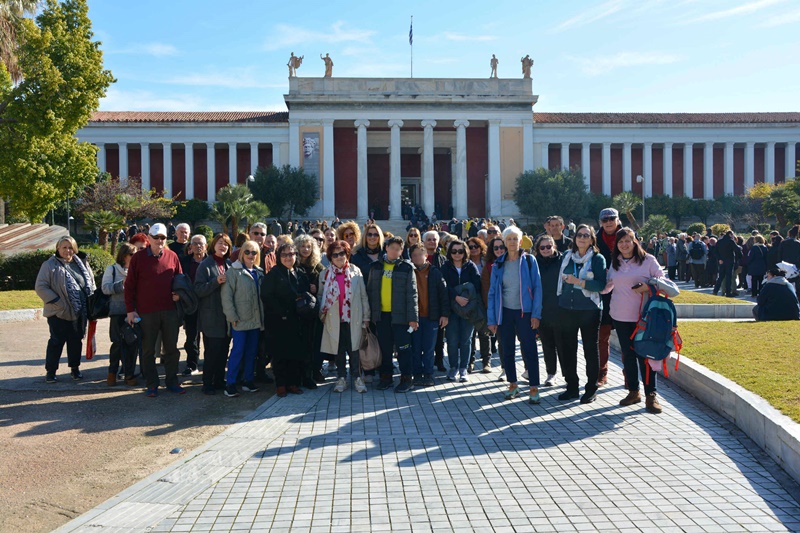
(291,303)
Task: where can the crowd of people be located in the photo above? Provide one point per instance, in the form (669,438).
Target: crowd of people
(292,300)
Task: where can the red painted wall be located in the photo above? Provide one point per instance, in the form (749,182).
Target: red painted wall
(697,171)
(200,172)
(134,162)
(442,181)
(555,156)
(616,170)
(780,164)
(738,171)
(265,156)
(637,166)
(719,171)
(179,171)
(677,171)
(410,165)
(477,170)
(596,170)
(658,171)
(378,184)
(157,168)
(112,161)
(243,164)
(221,167)
(575,156)
(345,168)
(758,163)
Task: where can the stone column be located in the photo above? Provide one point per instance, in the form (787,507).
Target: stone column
(101,156)
(688,179)
(728,168)
(395,201)
(189,170)
(607,169)
(708,171)
(527,145)
(749,165)
(668,169)
(232,164)
(647,170)
(123,161)
(461,168)
(211,173)
(294,144)
(167,170)
(253,158)
(277,155)
(284,153)
(145,166)
(495,178)
(328,172)
(586,162)
(546,156)
(790,156)
(428,198)
(362,182)
(626,166)
(564,156)
(769,161)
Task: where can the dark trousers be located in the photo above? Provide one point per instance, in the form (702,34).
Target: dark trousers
(757,283)
(120,352)
(604,349)
(517,325)
(346,348)
(423,341)
(439,348)
(192,344)
(632,364)
(683,270)
(725,274)
(166,324)
(483,347)
(391,336)
(214,359)
(671,270)
(288,372)
(588,323)
(69,332)
(551,344)
(698,274)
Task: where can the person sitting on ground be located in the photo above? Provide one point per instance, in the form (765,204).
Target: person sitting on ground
(777,299)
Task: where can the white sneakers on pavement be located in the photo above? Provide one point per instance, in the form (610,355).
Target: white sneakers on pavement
(360,386)
(341,385)
(550,381)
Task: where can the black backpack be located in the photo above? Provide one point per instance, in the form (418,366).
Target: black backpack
(696,250)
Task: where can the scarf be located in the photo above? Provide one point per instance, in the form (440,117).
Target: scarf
(330,298)
(386,260)
(585,273)
(372,251)
(77,299)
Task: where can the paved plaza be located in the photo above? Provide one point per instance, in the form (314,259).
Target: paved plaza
(456,457)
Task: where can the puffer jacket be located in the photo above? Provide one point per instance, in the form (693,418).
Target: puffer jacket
(530,289)
(241,298)
(405,307)
(51,287)
(438,299)
(113,285)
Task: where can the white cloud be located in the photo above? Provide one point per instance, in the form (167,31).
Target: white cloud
(234,78)
(287,35)
(149,49)
(744,9)
(594,66)
(591,15)
(781,19)
(458,37)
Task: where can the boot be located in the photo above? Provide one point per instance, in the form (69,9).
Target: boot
(652,405)
(487,365)
(131,382)
(632,398)
(111,381)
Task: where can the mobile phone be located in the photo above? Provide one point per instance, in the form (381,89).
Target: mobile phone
(636,286)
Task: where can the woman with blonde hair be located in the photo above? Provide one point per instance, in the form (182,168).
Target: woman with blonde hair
(370,249)
(310,262)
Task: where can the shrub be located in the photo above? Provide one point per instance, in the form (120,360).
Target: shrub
(206,231)
(99,260)
(763,228)
(19,271)
(697,227)
(720,229)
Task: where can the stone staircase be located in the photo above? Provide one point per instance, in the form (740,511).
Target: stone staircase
(23,237)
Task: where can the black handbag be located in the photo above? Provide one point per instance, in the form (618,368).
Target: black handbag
(99,303)
(306,305)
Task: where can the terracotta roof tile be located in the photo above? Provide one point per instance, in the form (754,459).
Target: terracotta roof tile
(665,118)
(190,116)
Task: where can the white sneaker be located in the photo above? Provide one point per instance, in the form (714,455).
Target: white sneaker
(525,375)
(502,376)
(368,378)
(463,376)
(550,381)
(341,385)
(360,387)
(452,374)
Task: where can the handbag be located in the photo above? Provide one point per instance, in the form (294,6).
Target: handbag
(99,303)
(370,353)
(306,305)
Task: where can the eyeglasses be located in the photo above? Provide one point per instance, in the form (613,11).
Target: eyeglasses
(499,247)
(474,247)
(491,231)
(457,251)
(373,234)
(349,235)
(258,233)
(548,247)
(608,219)
(159,237)
(319,239)
(250,252)
(336,255)
(288,254)
(583,235)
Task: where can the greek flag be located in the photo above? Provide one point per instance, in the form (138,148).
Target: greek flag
(411,34)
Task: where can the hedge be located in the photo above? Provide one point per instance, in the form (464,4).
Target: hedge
(19,271)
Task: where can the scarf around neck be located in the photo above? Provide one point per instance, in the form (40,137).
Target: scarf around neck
(331,290)
(585,273)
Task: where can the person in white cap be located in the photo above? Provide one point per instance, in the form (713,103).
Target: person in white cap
(150,301)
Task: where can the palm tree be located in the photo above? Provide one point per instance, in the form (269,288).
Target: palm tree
(627,202)
(234,204)
(105,222)
(11,14)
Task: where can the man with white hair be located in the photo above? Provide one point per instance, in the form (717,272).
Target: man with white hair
(189,263)
(258,233)
(483,235)
(182,232)
(430,240)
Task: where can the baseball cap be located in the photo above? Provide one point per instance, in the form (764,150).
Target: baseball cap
(158,229)
(609,212)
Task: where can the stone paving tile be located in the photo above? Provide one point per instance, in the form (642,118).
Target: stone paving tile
(457,457)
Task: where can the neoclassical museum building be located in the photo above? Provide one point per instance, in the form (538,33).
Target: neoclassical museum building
(453,146)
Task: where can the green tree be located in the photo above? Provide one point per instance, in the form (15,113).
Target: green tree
(703,209)
(286,191)
(597,202)
(655,224)
(105,222)
(62,81)
(783,203)
(192,211)
(680,207)
(234,204)
(11,14)
(541,193)
(627,202)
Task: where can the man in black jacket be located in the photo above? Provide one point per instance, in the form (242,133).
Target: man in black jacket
(728,255)
(189,264)
(606,239)
(790,251)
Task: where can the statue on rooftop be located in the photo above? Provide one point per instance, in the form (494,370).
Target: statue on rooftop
(527,63)
(328,65)
(293,64)
(493,63)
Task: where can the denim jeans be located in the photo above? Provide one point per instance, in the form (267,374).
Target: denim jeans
(632,364)
(63,332)
(391,336)
(517,325)
(245,347)
(423,342)
(459,338)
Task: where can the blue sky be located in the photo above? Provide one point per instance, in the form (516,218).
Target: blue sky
(590,55)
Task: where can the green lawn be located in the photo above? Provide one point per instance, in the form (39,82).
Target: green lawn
(19,300)
(762,357)
(691,297)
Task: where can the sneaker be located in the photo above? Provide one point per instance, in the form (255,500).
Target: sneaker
(368,378)
(231,392)
(487,368)
(418,380)
(525,375)
(249,386)
(452,374)
(341,385)
(76,374)
(209,391)
(176,389)
(360,387)
(502,376)
(462,376)
(405,385)
(427,380)
(652,405)
(550,381)
(318,377)
(51,378)
(569,395)
(589,395)
(385,384)
(187,372)
(151,393)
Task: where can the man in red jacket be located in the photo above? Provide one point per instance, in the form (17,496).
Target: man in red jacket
(150,301)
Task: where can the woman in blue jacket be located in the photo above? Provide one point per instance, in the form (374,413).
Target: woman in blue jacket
(515,309)
(583,276)
(456,271)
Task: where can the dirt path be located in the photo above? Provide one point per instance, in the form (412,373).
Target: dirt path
(66,448)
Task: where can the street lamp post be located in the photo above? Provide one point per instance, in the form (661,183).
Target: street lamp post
(69,225)
(640,179)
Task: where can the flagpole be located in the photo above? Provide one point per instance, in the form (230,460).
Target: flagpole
(411,42)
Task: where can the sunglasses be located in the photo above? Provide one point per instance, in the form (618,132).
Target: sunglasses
(319,239)
(457,251)
(548,247)
(336,255)
(491,231)
(373,235)
(250,252)
(258,233)
(500,247)
(583,235)
(288,254)
(159,237)
(349,235)
(608,219)
(474,247)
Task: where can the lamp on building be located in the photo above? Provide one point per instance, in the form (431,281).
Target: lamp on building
(640,179)
(250,179)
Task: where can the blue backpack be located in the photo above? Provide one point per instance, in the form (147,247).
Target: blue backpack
(656,333)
